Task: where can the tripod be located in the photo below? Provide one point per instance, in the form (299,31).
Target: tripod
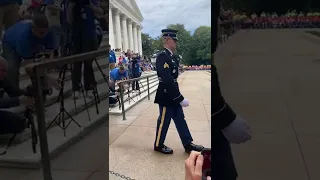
(129,98)
(95,88)
(60,117)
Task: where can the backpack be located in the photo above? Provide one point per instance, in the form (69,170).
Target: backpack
(12,123)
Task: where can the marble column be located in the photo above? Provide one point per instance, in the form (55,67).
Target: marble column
(130,35)
(111,33)
(135,38)
(125,33)
(118,29)
(139,40)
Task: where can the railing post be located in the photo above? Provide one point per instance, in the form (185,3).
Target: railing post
(122,101)
(148,88)
(42,130)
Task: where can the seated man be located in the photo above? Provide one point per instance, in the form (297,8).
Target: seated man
(117,74)
(23,41)
(10,123)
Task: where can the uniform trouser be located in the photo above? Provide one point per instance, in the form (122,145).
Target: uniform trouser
(89,80)
(8,16)
(175,113)
(14,63)
(223,167)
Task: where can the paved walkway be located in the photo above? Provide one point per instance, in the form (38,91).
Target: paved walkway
(271,77)
(131,142)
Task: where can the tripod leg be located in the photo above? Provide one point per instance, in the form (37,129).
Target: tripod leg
(85,100)
(54,121)
(71,120)
(74,95)
(99,67)
(96,92)
(63,122)
(95,100)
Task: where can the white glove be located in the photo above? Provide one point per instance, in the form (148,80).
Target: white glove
(184,103)
(238,131)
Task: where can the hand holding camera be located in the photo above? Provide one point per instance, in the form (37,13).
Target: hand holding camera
(193,166)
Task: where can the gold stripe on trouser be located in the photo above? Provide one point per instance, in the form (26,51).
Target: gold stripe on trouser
(160,126)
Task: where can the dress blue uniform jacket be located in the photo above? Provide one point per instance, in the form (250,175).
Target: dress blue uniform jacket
(168,93)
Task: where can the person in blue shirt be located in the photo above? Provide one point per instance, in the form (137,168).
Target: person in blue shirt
(112,58)
(23,42)
(117,74)
(135,72)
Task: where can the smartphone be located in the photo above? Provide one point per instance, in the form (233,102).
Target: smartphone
(206,168)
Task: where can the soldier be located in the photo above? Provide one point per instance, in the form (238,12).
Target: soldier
(226,126)
(169,97)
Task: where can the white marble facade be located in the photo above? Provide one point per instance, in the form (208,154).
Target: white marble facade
(125,25)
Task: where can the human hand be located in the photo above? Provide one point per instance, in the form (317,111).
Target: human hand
(193,166)
(238,131)
(184,103)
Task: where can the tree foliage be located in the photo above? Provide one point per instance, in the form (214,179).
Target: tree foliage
(195,48)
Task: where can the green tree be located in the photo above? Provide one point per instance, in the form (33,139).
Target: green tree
(201,43)
(146,44)
(157,44)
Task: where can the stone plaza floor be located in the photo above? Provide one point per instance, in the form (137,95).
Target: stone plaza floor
(271,77)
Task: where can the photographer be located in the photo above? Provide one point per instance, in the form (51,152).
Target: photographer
(23,42)
(117,74)
(81,15)
(9,121)
(135,72)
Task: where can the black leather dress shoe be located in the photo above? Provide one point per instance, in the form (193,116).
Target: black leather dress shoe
(193,147)
(163,149)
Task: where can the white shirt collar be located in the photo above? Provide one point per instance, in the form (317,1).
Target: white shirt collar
(169,51)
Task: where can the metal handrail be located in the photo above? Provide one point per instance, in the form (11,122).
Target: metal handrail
(35,71)
(122,82)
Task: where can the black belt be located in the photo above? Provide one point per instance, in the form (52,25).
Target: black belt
(175,80)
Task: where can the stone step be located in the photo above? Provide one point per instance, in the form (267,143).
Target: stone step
(53,109)
(21,155)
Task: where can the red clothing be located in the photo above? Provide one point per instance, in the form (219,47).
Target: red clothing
(36,3)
